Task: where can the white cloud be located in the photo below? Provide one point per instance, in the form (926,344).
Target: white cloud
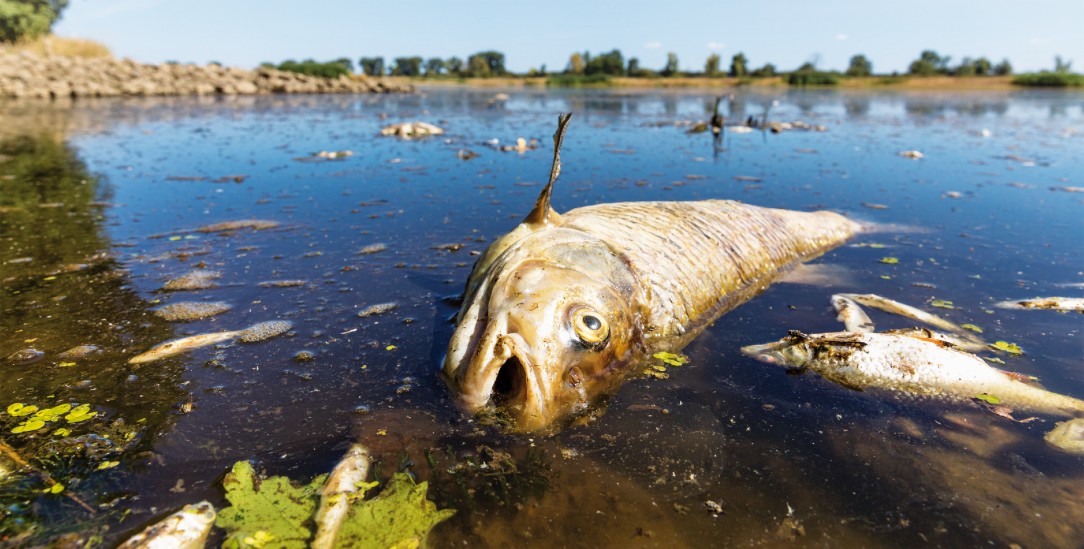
(716,45)
(653,45)
(841,37)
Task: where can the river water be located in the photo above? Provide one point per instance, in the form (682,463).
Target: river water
(101,202)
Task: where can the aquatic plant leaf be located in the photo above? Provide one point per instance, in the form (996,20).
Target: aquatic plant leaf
(889,260)
(943,304)
(80,413)
(19,409)
(656,374)
(274,506)
(400,516)
(971,327)
(62,432)
(987,398)
(1011,348)
(54,489)
(32,424)
(54,413)
(671,358)
(107,465)
(66,364)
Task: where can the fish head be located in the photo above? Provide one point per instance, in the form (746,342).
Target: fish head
(793,352)
(545,332)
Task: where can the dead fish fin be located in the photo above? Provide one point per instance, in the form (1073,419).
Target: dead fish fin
(1022,378)
(543,213)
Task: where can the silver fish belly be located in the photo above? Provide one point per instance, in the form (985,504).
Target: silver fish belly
(912,365)
(185,529)
(560,310)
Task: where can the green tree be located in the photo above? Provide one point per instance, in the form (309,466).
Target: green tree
(738,65)
(983,67)
(768,70)
(372,66)
(611,63)
(454,65)
(346,63)
(28,18)
(860,66)
(1062,66)
(671,67)
(711,66)
(434,66)
(407,66)
(634,67)
(486,63)
(576,64)
(966,68)
(1004,68)
(929,63)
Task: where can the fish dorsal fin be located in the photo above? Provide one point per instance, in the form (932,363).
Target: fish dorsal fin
(543,213)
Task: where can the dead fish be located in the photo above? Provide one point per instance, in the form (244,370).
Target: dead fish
(410,130)
(966,339)
(1053,303)
(558,312)
(185,529)
(257,332)
(912,364)
(1068,436)
(80,351)
(851,315)
(198,279)
(225,226)
(344,482)
(191,310)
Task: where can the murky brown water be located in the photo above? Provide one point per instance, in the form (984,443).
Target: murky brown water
(100,206)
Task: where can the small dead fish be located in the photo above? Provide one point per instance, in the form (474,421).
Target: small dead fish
(561,310)
(1052,303)
(378,309)
(79,351)
(1068,436)
(968,340)
(252,334)
(911,154)
(344,481)
(198,279)
(411,130)
(191,310)
(254,224)
(281,283)
(185,529)
(851,315)
(910,364)
(25,356)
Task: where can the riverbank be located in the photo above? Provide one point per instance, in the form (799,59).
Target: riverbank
(872,82)
(25,74)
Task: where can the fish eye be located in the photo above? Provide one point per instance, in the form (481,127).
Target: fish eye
(590,327)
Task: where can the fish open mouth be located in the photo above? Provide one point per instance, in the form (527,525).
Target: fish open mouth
(510,386)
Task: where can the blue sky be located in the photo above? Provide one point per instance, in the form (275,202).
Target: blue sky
(786,33)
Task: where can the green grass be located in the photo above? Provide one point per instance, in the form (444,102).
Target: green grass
(575,80)
(1048,79)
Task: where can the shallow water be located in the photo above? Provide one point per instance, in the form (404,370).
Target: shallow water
(100,202)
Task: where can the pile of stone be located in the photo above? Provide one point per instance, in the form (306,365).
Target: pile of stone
(28,75)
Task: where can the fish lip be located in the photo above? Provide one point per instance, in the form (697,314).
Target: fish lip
(476,388)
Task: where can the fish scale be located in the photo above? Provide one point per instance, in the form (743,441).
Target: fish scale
(699,260)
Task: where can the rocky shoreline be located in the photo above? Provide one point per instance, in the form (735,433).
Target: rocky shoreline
(26,75)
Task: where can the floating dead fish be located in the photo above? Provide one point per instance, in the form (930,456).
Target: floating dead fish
(1053,303)
(967,339)
(281,283)
(256,332)
(373,248)
(79,351)
(911,364)
(333,155)
(410,130)
(193,280)
(191,310)
(185,529)
(558,312)
(911,154)
(851,315)
(1068,436)
(25,356)
(344,481)
(254,224)
(378,309)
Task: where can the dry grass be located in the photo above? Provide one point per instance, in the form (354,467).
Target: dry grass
(64,47)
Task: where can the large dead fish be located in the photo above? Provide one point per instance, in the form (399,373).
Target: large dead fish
(915,363)
(559,311)
(185,529)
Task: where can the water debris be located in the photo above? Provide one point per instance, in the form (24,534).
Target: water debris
(198,279)
(1011,348)
(412,130)
(466,154)
(451,247)
(185,178)
(25,356)
(230,179)
(254,224)
(185,529)
(748,178)
(378,309)
(874,206)
(1068,436)
(343,486)
(191,310)
(373,248)
(1050,303)
(80,351)
(911,154)
(282,283)
(256,332)
(1068,189)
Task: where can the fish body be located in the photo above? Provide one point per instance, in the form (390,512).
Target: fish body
(912,364)
(559,311)
(344,481)
(183,345)
(185,529)
(1054,303)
